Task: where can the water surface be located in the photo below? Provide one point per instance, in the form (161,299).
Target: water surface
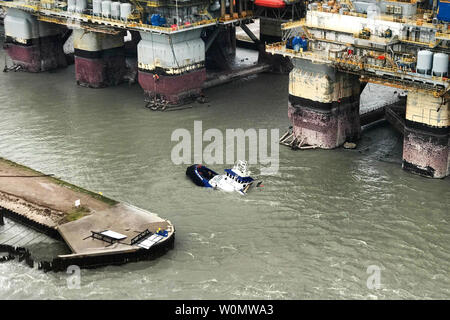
(310,232)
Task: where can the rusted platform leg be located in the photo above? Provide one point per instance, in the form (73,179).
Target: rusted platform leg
(171,67)
(323,105)
(33,45)
(426,135)
(99,59)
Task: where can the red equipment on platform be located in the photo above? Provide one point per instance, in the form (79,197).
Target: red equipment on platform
(270,3)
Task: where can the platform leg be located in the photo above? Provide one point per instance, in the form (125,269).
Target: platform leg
(426,143)
(171,67)
(323,105)
(33,45)
(99,59)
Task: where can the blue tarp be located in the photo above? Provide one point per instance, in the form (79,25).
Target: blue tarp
(444,11)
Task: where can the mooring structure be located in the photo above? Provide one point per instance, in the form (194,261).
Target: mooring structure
(173,40)
(396,43)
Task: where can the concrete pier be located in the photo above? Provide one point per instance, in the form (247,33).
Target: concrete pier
(121,218)
(33,45)
(99,58)
(323,105)
(70,213)
(426,135)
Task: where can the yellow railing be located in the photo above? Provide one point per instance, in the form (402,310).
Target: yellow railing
(35,6)
(153,4)
(293,24)
(443,35)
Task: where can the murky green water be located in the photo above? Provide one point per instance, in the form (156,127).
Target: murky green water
(311,232)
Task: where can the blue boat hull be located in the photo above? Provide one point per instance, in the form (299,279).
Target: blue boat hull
(200,175)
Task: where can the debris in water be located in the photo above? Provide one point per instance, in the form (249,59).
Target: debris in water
(349,145)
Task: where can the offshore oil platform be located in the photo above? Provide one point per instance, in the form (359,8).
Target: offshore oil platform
(173,39)
(331,48)
(397,43)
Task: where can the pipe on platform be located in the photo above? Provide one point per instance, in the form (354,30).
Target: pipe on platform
(223,8)
(225,78)
(373,125)
(371,116)
(240,7)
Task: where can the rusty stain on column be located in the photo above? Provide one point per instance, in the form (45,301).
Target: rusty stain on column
(426,135)
(323,105)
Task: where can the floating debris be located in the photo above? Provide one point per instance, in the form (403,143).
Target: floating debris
(349,145)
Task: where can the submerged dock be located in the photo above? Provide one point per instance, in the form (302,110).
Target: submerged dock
(98,231)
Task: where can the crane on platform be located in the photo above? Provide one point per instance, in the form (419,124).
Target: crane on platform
(139,11)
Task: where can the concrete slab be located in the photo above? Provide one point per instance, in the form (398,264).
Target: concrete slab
(42,198)
(121,218)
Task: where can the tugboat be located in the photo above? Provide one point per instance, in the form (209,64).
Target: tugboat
(237,179)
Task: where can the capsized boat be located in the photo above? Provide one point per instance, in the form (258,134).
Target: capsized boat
(236,179)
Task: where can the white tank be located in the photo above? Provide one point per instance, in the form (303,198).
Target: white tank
(440,64)
(115,10)
(106,9)
(125,10)
(80,6)
(97,7)
(71,5)
(424,61)
(373,11)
